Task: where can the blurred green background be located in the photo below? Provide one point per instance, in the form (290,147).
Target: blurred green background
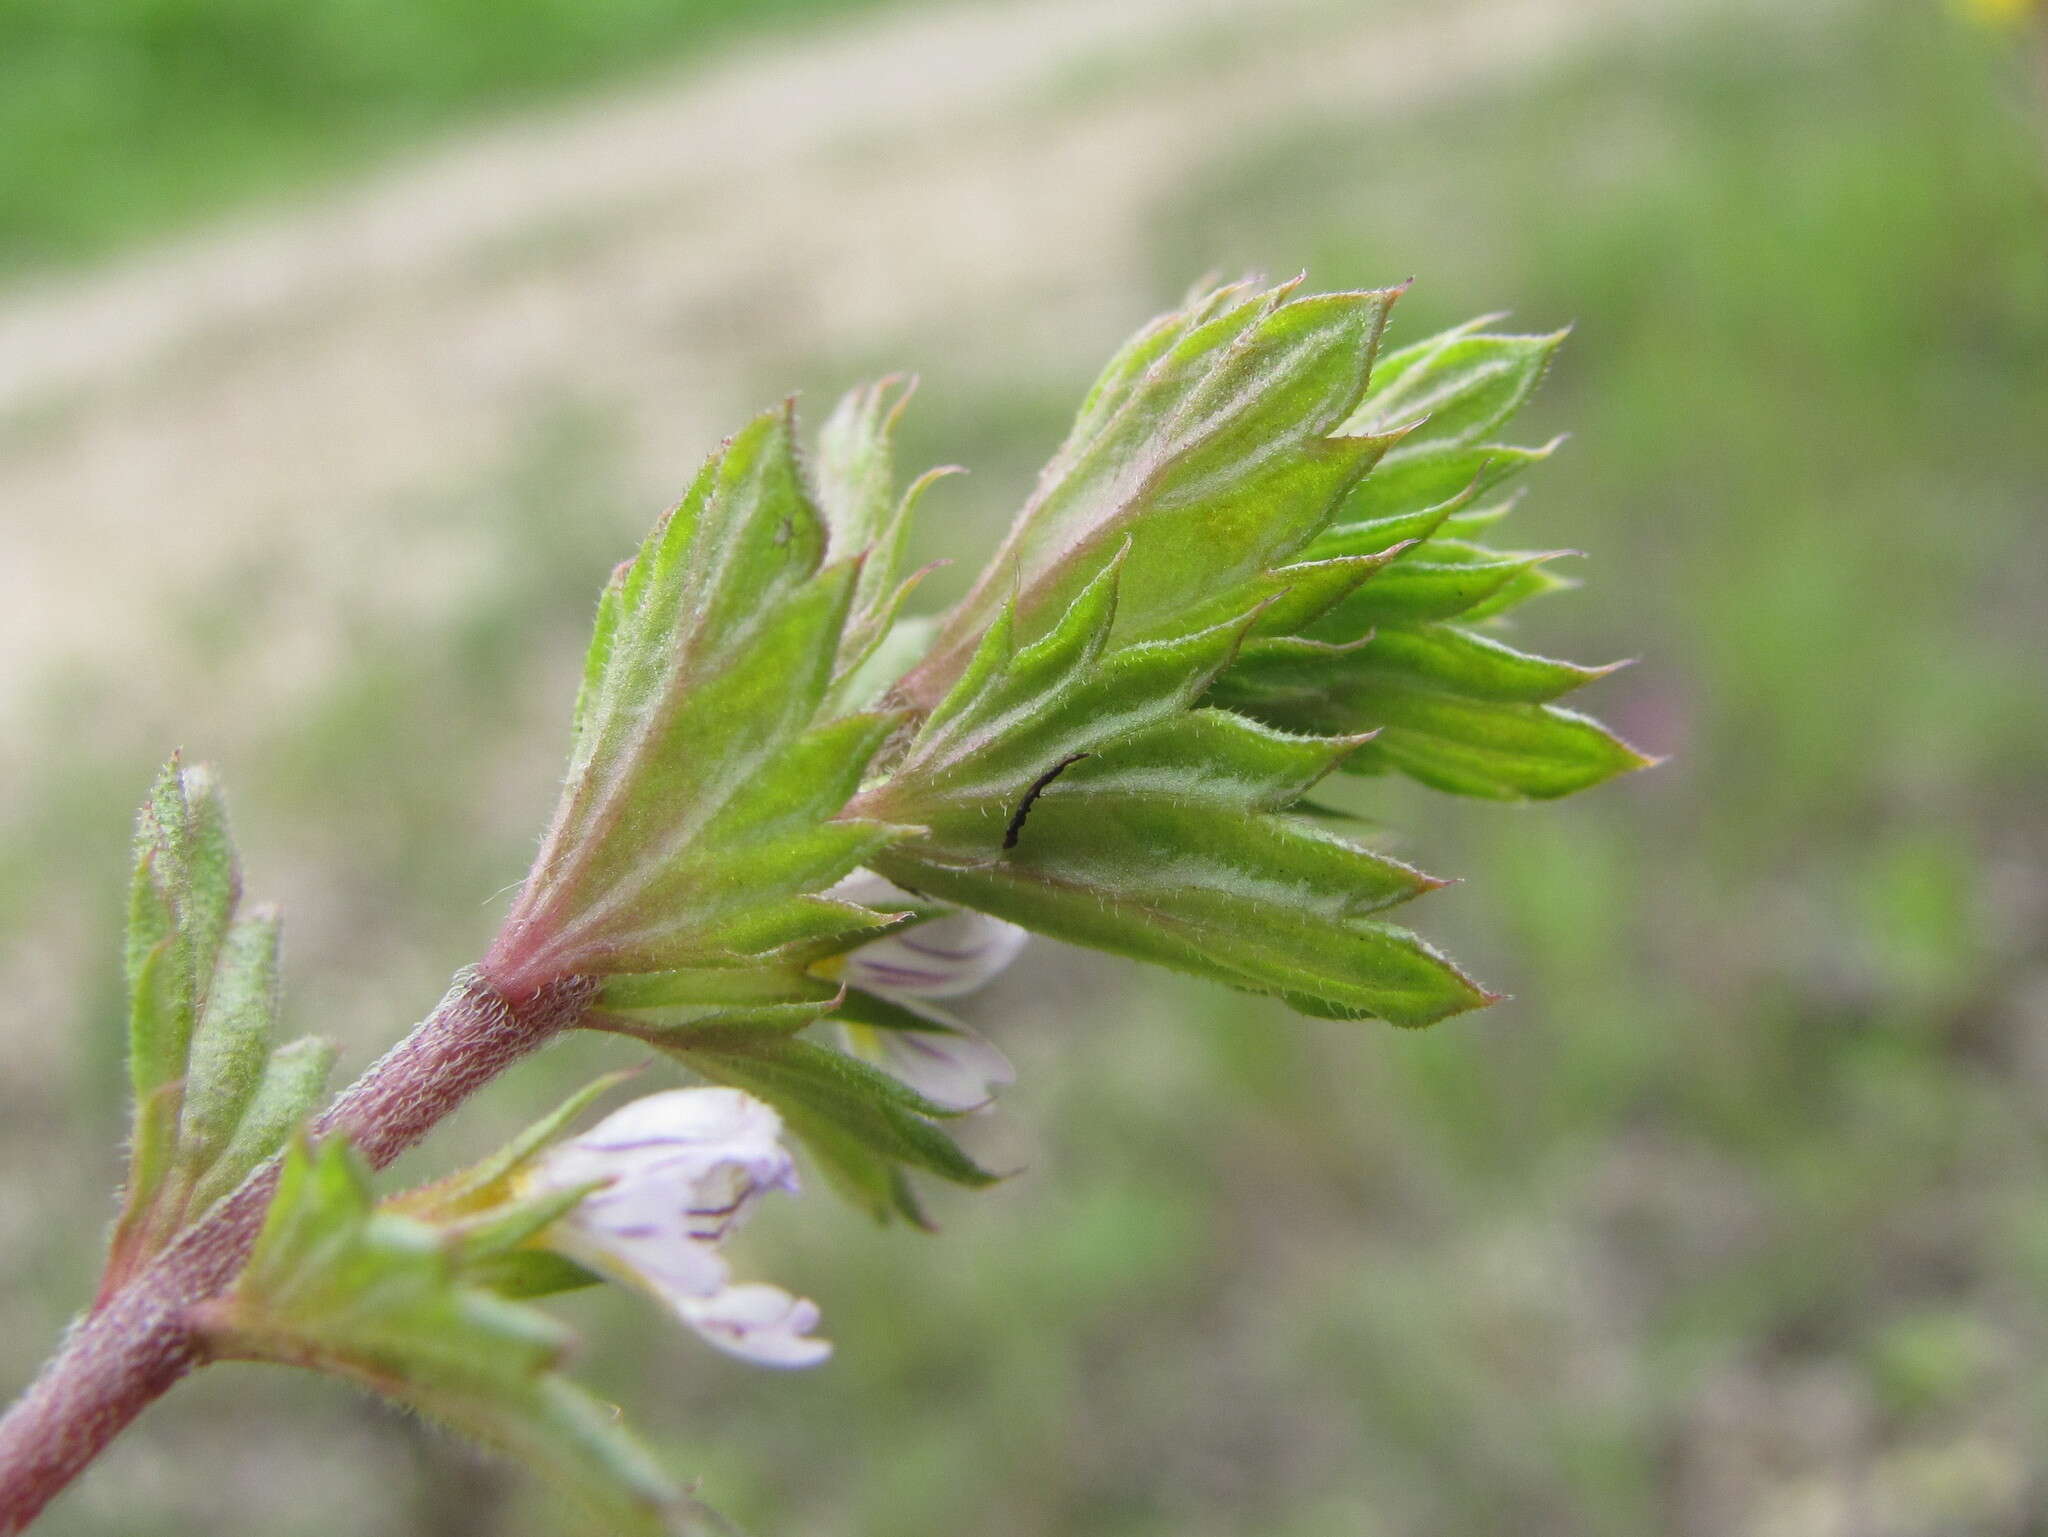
(344,347)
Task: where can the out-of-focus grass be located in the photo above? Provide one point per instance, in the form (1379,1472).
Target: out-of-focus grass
(1732,1222)
(119,118)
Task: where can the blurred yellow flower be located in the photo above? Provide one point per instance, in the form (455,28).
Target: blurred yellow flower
(1999,13)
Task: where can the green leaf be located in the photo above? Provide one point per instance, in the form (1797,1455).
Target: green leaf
(1399,499)
(232,1042)
(875,1012)
(333,1281)
(855,475)
(1207,448)
(491,1182)
(708,772)
(1446,395)
(1477,666)
(203,1004)
(523,1273)
(1059,776)
(1457,711)
(873,1183)
(339,1286)
(1458,386)
(1502,751)
(1165,847)
(183,894)
(1450,707)
(855,471)
(856,1119)
(149,1215)
(1015,714)
(294,1081)
(488,1218)
(769,993)
(739,877)
(159,1018)
(1436,580)
(783,986)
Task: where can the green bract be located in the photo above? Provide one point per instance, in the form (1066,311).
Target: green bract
(707,773)
(1453,706)
(1214,446)
(400,1305)
(1232,579)
(213,1100)
(1254,560)
(1069,787)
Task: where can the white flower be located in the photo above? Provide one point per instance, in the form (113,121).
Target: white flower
(939,958)
(682,1170)
(942,957)
(762,1323)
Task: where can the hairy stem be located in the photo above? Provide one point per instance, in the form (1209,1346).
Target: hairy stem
(130,1349)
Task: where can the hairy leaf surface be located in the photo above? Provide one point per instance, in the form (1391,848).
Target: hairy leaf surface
(865,1129)
(708,774)
(1209,449)
(338,1285)
(1399,655)
(212,1099)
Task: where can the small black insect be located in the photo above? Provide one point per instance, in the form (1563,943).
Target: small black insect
(1031,793)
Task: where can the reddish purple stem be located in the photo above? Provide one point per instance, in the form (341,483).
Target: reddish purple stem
(128,1351)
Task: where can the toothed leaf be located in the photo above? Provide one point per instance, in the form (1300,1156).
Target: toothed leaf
(708,774)
(1439,579)
(1062,782)
(1055,701)
(202,1009)
(1161,847)
(1455,709)
(292,1084)
(1459,386)
(834,1103)
(1208,447)
(183,895)
(380,1299)
(1502,751)
(855,475)
(1462,662)
(855,470)
(232,1041)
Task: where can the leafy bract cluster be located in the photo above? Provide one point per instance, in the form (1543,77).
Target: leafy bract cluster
(1413,654)
(1237,575)
(410,1300)
(706,804)
(1254,561)
(213,1099)
(707,772)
